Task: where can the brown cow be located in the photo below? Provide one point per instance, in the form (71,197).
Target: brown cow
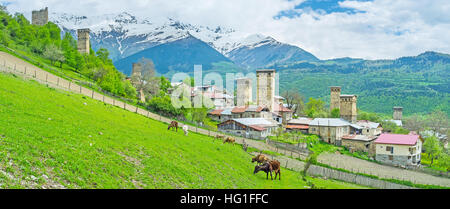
(173,124)
(270,166)
(260,159)
(229,140)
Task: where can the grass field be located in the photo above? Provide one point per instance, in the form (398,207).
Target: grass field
(53,139)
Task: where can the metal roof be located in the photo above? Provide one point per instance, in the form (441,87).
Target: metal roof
(367,124)
(256,121)
(301,120)
(329,122)
(400,139)
(397,122)
(358,138)
(227,111)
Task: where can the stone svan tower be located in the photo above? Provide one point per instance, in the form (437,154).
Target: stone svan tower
(84,41)
(345,103)
(244,91)
(398,113)
(39,17)
(335,97)
(265,88)
(137,70)
(348,109)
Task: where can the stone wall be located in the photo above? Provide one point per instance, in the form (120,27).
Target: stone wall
(39,17)
(335,97)
(348,108)
(84,41)
(265,92)
(356,145)
(399,160)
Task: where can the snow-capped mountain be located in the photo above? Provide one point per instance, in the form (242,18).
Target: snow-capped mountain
(124,35)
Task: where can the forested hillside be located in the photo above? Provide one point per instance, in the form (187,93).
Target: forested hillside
(420,84)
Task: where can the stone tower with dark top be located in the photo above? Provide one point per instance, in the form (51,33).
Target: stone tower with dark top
(137,68)
(348,109)
(335,97)
(345,103)
(84,41)
(39,17)
(398,111)
(265,88)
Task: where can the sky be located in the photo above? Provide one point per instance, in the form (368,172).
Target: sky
(369,29)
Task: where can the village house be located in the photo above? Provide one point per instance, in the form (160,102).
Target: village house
(282,113)
(300,124)
(370,128)
(251,111)
(362,143)
(255,128)
(399,149)
(221,115)
(330,130)
(219,98)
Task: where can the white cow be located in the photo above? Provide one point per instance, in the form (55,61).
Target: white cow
(185,129)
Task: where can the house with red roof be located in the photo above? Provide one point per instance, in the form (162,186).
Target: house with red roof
(398,149)
(251,111)
(284,114)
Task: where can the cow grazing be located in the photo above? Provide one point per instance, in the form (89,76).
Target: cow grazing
(229,140)
(260,159)
(173,125)
(269,167)
(185,130)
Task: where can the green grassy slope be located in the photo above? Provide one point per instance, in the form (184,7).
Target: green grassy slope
(50,138)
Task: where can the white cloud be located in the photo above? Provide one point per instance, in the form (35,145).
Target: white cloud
(383,29)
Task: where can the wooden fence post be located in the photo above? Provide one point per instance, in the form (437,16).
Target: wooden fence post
(57,83)
(25,69)
(69,84)
(80,89)
(35,73)
(124,104)
(136,109)
(103,98)
(92,94)
(46,77)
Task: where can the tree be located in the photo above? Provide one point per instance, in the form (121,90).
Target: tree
(335,113)
(146,80)
(199,114)
(315,108)
(294,101)
(444,161)
(414,123)
(103,54)
(54,54)
(432,148)
(438,121)
(278,132)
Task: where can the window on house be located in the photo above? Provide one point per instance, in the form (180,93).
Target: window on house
(391,157)
(388,148)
